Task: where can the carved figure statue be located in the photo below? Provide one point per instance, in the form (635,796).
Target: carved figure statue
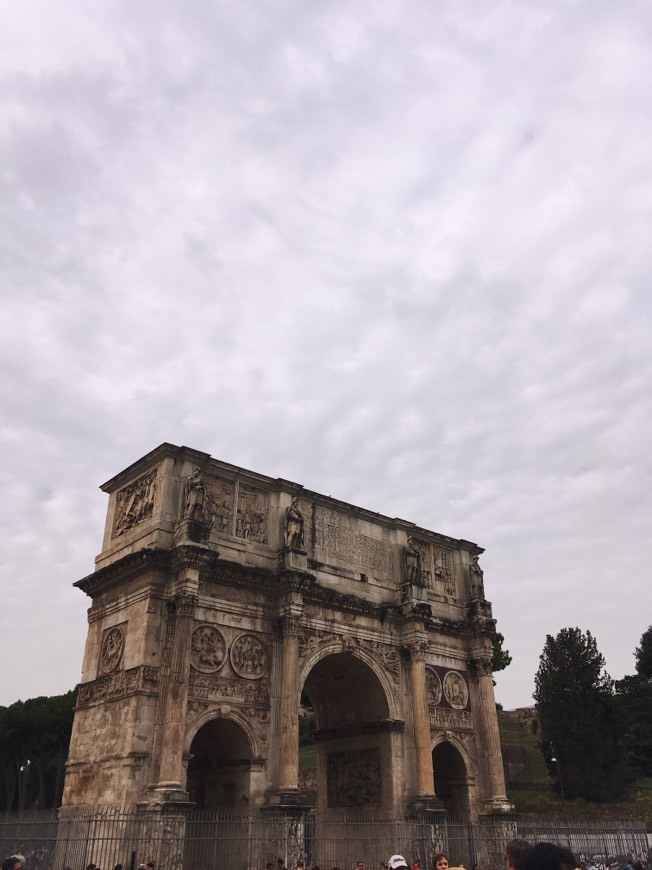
(477,578)
(294,526)
(194,496)
(413,571)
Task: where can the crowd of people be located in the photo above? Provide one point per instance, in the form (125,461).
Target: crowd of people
(519,855)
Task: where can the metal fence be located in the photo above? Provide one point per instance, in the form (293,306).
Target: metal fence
(212,840)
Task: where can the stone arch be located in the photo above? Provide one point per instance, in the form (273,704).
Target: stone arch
(452,767)
(356,732)
(218,774)
(378,668)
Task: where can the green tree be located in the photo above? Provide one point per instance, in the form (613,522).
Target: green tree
(501,658)
(34,740)
(577,712)
(644,655)
(635,703)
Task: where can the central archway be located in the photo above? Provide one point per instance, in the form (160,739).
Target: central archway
(355,737)
(219,766)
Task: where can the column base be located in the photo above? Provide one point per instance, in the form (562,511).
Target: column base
(292,560)
(166,794)
(286,799)
(426,804)
(497,806)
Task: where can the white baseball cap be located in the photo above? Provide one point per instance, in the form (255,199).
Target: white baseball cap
(396,861)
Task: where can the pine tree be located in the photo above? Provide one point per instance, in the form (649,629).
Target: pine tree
(635,702)
(578,714)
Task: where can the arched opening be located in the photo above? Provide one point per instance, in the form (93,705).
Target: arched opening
(219,766)
(353,733)
(451,780)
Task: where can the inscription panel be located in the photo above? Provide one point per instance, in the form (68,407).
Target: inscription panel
(338,541)
(213,687)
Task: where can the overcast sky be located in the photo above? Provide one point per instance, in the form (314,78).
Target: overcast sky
(399,252)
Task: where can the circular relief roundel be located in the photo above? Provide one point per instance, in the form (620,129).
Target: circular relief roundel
(111,652)
(208,649)
(455,690)
(248,656)
(433,686)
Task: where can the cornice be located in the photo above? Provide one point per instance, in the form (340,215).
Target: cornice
(124,569)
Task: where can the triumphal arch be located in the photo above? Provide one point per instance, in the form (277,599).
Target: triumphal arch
(225,604)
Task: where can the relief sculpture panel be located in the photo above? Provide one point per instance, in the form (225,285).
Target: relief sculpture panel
(113,643)
(220,500)
(208,649)
(248,656)
(353,778)
(134,504)
(251,517)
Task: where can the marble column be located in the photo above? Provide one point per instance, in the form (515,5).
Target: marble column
(425,777)
(487,725)
(289,737)
(173,699)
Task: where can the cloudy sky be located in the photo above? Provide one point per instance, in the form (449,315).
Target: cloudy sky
(396,252)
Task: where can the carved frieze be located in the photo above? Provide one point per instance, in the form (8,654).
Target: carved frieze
(135,504)
(113,643)
(338,541)
(215,687)
(208,649)
(248,656)
(354,778)
(456,691)
(118,684)
(251,515)
(450,720)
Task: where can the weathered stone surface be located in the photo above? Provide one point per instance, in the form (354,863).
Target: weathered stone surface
(222,598)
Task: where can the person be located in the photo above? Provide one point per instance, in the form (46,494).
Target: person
(358,865)
(280,864)
(516,851)
(549,856)
(13,862)
(269,865)
(416,865)
(151,865)
(118,867)
(397,862)
(440,861)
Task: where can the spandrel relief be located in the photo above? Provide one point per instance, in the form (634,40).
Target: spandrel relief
(248,656)
(251,517)
(208,649)
(113,643)
(135,504)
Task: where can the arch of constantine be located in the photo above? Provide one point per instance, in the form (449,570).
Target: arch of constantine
(225,602)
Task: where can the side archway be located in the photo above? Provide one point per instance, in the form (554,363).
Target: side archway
(219,766)
(451,779)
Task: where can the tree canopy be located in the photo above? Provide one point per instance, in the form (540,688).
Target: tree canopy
(635,703)
(34,740)
(578,714)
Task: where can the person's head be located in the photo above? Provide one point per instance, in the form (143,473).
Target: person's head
(440,861)
(13,862)
(151,865)
(118,867)
(397,862)
(549,856)
(516,851)
(358,865)
(269,865)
